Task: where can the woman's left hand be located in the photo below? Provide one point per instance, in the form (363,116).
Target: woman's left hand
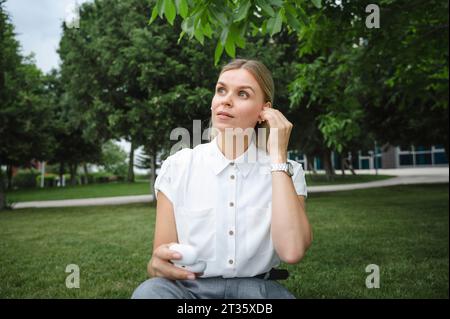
(280,131)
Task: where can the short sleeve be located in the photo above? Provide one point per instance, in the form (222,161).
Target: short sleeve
(170,177)
(299,179)
(164,180)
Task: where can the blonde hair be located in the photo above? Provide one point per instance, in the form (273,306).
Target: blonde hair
(264,78)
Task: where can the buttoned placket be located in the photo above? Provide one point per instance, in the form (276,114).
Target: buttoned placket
(231,231)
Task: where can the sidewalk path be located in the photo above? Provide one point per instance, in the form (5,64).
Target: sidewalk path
(403,177)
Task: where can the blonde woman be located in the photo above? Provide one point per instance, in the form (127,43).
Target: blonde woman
(237,199)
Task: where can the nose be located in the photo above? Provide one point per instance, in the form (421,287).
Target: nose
(226,100)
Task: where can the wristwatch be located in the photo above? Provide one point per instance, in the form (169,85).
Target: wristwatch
(285,167)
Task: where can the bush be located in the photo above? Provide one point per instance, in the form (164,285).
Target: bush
(50,180)
(25,179)
(102,177)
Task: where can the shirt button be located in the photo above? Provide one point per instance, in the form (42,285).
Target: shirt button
(232,176)
(230,261)
(231,163)
(231,233)
(231,204)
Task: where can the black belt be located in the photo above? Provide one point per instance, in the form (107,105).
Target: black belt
(274,274)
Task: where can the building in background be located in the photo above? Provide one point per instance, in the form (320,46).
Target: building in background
(385,157)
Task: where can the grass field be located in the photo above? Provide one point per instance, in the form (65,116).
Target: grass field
(80,191)
(142,187)
(402,229)
(321,179)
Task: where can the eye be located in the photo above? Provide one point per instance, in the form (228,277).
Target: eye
(245,93)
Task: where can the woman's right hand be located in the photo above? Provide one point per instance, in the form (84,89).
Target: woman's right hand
(160,265)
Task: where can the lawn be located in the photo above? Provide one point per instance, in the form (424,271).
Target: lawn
(80,191)
(402,229)
(142,187)
(321,179)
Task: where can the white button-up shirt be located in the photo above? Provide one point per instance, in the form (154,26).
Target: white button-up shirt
(223,207)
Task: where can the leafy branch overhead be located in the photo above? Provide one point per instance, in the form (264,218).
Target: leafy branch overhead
(230,21)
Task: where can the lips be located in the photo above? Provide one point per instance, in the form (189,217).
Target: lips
(225,113)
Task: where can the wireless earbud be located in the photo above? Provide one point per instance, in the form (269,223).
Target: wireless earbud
(188,259)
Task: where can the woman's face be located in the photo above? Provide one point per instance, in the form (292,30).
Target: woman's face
(239,95)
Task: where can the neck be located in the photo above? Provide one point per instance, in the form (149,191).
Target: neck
(232,146)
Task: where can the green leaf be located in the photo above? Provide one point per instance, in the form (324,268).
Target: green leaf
(170,11)
(230,47)
(224,35)
(242,11)
(198,33)
(188,25)
(218,16)
(240,42)
(181,36)
(237,32)
(160,6)
(218,52)
(182,7)
(290,9)
(293,22)
(303,17)
(207,31)
(317,3)
(264,27)
(265,7)
(255,29)
(154,15)
(274,24)
(277,3)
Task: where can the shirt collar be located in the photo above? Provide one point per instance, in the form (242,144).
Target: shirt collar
(244,162)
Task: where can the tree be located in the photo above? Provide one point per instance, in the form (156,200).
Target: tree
(406,68)
(386,79)
(132,80)
(72,147)
(114,159)
(25,128)
(230,21)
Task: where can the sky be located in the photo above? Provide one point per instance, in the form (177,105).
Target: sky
(38,26)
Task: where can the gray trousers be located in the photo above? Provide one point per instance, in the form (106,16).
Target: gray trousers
(211,288)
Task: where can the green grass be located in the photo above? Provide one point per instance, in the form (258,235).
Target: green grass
(319,180)
(403,229)
(142,187)
(80,191)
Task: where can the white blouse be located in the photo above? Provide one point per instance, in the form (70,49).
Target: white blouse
(223,207)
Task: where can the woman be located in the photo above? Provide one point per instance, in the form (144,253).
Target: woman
(238,201)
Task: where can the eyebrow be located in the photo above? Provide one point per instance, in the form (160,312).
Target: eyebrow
(241,87)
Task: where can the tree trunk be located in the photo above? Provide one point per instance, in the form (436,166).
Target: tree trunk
(2,190)
(73,174)
(310,160)
(350,164)
(61,173)
(329,170)
(9,176)
(86,174)
(343,164)
(130,177)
